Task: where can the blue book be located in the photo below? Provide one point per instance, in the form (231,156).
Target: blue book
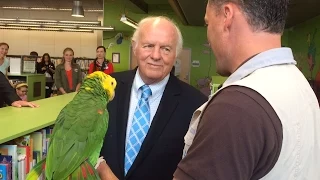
(6,160)
(11,150)
(3,171)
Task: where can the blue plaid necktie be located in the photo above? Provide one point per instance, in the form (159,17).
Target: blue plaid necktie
(139,128)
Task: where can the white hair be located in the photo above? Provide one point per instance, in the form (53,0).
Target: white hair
(156,19)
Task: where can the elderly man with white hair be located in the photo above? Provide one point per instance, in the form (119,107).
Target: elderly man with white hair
(152,109)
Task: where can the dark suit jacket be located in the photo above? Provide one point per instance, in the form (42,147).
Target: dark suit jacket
(162,148)
(7,92)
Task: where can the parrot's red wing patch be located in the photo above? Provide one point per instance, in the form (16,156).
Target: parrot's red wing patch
(44,166)
(84,173)
(90,169)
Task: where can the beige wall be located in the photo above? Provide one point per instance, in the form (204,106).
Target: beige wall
(22,42)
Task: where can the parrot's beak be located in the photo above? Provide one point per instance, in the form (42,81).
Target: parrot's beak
(112,96)
(110,84)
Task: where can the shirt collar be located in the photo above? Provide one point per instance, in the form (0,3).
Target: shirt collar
(270,57)
(156,88)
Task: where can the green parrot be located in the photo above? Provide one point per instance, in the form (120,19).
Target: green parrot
(78,133)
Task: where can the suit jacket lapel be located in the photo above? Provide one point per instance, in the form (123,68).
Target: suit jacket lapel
(124,94)
(166,107)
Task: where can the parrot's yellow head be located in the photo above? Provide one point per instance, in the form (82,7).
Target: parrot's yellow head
(108,83)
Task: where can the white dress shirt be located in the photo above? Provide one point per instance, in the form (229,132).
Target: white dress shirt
(154,100)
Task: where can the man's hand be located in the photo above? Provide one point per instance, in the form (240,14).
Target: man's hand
(105,172)
(24,104)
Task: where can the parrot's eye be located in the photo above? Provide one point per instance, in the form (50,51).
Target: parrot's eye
(112,83)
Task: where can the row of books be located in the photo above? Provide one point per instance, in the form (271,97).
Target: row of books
(84,63)
(17,157)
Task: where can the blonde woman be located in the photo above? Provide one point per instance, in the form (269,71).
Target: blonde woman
(68,75)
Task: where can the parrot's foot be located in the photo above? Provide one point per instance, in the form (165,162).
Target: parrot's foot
(100,160)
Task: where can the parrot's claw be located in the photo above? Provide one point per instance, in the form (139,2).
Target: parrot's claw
(100,160)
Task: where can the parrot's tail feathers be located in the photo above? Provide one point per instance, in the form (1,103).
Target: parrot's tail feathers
(37,170)
(86,171)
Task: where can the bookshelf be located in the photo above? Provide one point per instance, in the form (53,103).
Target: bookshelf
(16,122)
(83,62)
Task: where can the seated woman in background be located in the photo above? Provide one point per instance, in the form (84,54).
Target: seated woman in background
(68,75)
(101,63)
(4,61)
(22,90)
(47,67)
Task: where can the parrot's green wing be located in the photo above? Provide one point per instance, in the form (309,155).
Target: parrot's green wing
(79,131)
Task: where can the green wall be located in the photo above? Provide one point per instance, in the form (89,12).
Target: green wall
(304,40)
(123,49)
(285,38)
(300,37)
(194,38)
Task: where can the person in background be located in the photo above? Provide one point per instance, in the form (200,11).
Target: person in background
(22,90)
(153,98)
(68,75)
(101,63)
(34,53)
(9,96)
(47,67)
(4,61)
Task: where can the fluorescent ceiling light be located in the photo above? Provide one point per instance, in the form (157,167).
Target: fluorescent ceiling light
(82,22)
(59,26)
(49,9)
(77,30)
(42,8)
(25,25)
(36,20)
(129,21)
(11,7)
(77,26)
(97,28)
(94,10)
(77,9)
(5,19)
(8,27)
(46,29)
(65,9)
(45,22)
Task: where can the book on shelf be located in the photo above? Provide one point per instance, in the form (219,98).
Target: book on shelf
(5,167)
(18,156)
(4,174)
(11,150)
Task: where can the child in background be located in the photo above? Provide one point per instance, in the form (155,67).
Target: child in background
(22,90)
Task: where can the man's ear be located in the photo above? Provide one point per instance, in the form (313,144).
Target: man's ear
(134,46)
(228,11)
